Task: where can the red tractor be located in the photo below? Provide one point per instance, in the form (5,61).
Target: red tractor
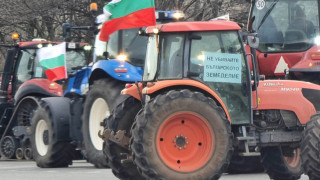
(23,83)
(289,38)
(199,104)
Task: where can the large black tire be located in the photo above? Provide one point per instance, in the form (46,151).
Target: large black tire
(102,97)
(244,164)
(122,118)
(310,149)
(47,151)
(181,135)
(25,112)
(281,163)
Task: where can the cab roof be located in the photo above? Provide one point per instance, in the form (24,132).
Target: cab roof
(215,25)
(30,44)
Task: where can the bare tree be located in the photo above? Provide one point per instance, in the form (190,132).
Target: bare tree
(44,18)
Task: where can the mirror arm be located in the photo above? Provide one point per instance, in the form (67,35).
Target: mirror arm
(255,78)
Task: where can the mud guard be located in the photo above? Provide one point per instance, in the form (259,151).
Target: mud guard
(60,110)
(130,73)
(31,89)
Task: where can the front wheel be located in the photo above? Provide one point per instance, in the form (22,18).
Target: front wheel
(310,148)
(47,151)
(103,96)
(122,118)
(282,163)
(181,135)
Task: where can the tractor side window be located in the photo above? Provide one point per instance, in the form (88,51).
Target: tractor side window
(113,45)
(134,46)
(24,71)
(100,47)
(171,47)
(38,69)
(75,59)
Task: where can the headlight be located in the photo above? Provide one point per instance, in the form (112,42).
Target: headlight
(178,15)
(87,47)
(122,57)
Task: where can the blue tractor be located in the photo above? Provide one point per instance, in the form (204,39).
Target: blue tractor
(72,122)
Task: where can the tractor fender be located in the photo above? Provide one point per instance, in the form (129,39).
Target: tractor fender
(302,98)
(160,86)
(122,71)
(60,114)
(133,91)
(42,87)
(28,98)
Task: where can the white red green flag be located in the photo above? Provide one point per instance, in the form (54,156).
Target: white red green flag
(125,14)
(53,60)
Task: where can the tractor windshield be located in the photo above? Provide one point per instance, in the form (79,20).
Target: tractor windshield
(217,60)
(285,25)
(126,42)
(29,66)
(170,59)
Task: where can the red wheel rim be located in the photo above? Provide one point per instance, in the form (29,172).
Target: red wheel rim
(294,160)
(185,141)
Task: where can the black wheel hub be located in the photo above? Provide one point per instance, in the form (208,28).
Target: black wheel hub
(180,141)
(46,137)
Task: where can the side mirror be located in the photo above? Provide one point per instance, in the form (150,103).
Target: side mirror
(253,41)
(66,30)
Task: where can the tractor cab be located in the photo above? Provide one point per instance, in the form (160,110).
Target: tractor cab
(22,63)
(122,57)
(128,44)
(285,26)
(212,53)
(288,32)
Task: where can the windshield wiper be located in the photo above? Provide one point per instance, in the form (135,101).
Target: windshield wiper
(267,14)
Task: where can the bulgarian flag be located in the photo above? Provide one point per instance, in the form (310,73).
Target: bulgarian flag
(125,14)
(53,60)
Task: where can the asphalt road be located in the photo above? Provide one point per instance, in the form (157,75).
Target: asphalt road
(80,170)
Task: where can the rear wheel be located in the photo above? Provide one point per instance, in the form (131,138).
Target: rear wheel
(103,96)
(282,163)
(26,111)
(47,151)
(310,148)
(122,118)
(180,135)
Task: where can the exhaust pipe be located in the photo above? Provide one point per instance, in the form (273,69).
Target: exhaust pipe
(28,153)
(19,153)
